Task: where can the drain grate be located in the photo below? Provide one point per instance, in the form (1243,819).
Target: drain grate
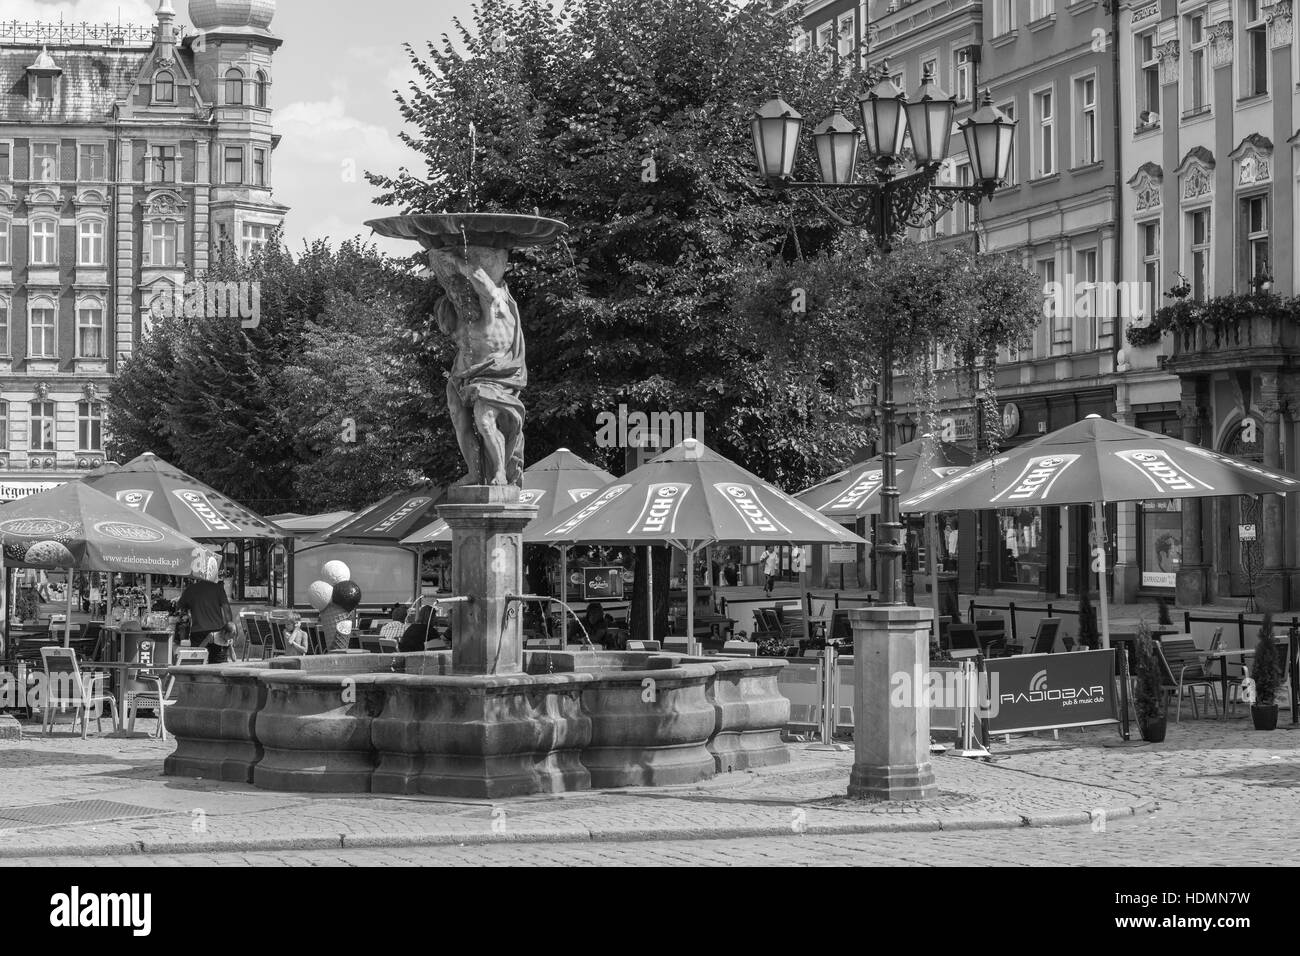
(78,811)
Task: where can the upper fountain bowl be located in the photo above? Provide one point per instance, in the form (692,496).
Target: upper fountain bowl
(493,230)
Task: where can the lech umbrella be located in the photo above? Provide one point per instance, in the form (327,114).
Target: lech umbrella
(79,528)
(553,484)
(691,497)
(1095,461)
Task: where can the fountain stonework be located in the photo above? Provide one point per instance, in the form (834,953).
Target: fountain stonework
(487,719)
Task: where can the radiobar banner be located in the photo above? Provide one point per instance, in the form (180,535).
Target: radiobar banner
(1046,691)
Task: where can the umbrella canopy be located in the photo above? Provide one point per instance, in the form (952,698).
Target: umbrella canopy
(1098,460)
(161,490)
(78,527)
(855,491)
(690,497)
(388,520)
(553,484)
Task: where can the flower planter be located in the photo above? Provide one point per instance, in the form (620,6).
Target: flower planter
(1153,730)
(1264,716)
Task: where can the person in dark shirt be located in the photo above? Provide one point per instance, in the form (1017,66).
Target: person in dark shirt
(413,637)
(209,610)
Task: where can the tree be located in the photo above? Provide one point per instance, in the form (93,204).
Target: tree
(340,334)
(628,119)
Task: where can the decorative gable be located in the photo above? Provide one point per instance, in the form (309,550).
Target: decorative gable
(1195,173)
(1146,183)
(1254,159)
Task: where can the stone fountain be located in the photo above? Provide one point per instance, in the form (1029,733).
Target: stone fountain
(487,719)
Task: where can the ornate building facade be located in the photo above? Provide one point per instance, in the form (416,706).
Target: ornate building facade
(127,154)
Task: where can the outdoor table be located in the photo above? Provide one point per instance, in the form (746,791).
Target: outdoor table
(1222,656)
(820,622)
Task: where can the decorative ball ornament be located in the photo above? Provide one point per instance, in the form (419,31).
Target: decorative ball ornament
(320,594)
(335,571)
(347,595)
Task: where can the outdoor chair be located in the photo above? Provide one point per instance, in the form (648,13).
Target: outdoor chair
(991,632)
(65,687)
(160,698)
(1183,670)
(258,637)
(387,645)
(1044,637)
(392,629)
(739,649)
(369,643)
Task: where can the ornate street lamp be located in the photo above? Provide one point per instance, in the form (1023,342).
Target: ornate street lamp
(887,204)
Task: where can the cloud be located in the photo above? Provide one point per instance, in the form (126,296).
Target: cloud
(139,12)
(321,164)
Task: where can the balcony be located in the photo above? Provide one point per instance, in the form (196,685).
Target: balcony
(1236,332)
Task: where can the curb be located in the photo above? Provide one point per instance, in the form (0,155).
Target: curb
(341,841)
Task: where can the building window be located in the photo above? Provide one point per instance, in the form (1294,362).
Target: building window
(90,248)
(1254,47)
(1160,530)
(165,164)
(90,331)
(45,234)
(1041,8)
(1254,247)
(163,242)
(4,327)
(802,41)
(5,228)
(45,88)
(962,211)
(234,165)
(1009,108)
(94,162)
(45,162)
(164,87)
(1085,291)
(1148,86)
(846,38)
(90,426)
(234,88)
(4,426)
(1198,42)
(1149,248)
(6,162)
(1199,253)
(259,167)
(1045,144)
(1057,308)
(1085,104)
(42,436)
(42,332)
(962,76)
(255,238)
(825,34)
(262,88)
(1004,16)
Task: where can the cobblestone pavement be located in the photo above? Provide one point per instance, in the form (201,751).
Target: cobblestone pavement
(106,797)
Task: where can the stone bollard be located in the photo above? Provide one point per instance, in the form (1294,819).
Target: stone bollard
(891,743)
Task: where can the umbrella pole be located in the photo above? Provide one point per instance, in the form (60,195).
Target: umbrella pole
(148,594)
(931,535)
(67,618)
(564,596)
(1099,524)
(649,596)
(690,600)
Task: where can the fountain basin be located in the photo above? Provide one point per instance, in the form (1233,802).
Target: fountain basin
(404,724)
(458,229)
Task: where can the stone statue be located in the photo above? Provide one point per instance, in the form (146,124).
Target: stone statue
(483,386)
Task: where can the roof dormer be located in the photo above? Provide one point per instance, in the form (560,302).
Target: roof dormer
(43,78)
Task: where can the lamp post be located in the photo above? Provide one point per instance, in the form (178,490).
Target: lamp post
(887,203)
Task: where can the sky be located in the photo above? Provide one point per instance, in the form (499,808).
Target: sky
(333,96)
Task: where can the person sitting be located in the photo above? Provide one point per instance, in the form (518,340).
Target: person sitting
(415,636)
(597,625)
(295,639)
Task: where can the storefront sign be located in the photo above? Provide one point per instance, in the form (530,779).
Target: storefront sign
(1011,419)
(13,490)
(960,426)
(1047,691)
(842,553)
(602,584)
(1246,532)
(1159,579)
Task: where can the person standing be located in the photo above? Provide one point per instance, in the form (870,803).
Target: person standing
(211,620)
(770,564)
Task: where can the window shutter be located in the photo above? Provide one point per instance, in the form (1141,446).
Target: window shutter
(146,247)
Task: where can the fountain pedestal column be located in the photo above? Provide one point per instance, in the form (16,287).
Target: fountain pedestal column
(487,524)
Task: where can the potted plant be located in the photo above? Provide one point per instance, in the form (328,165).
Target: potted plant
(1148,695)
(1268,678)
(1088,636)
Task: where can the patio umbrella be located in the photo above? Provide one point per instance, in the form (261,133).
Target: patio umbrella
(161,490)
(388,520)
(553,484)
(691,497)
(855,491)
(1095,461)
(79,528)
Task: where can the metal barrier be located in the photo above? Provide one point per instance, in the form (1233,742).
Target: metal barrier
(800,681)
